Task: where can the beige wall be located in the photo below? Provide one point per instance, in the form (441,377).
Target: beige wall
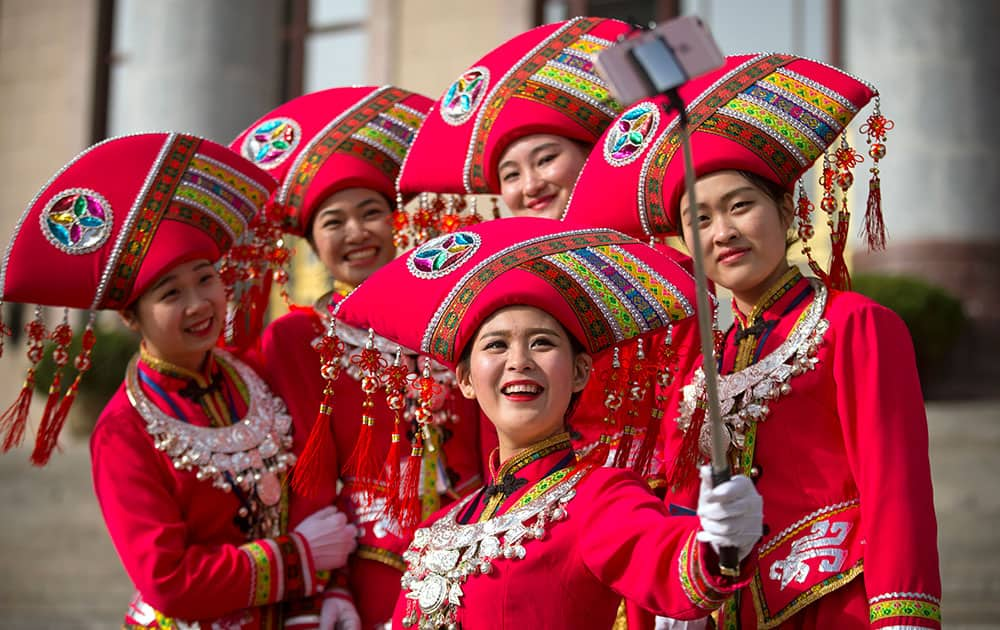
(46,76)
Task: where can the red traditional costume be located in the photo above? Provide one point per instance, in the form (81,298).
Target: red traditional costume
(188,468)
(317,145)
(553,541)
(819,386)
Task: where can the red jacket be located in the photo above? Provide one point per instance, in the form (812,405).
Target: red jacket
(841,462)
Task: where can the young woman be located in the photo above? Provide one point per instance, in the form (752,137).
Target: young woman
(819,385)
(191,455)
(553,541)
(337,153)
(519,122)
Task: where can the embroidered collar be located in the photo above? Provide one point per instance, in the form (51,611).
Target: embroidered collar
(781,288)
(535,452)
(178,377)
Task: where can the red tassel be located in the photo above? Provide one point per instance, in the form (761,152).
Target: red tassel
(874,232)
(409,488)
(684,469)
(51,427)
(363,465)
(317,464)
(395,387)
(15,419)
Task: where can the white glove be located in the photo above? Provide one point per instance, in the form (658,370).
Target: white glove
(731,514)
(339,614)
(330,537)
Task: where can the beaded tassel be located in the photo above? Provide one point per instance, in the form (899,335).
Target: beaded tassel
(803,212)
(614,397)
(15,418)
(400,224)
(427,391)
(846,158)
(638,386)
(52,424)
(664,370)
(318,461)
(363,464)
(394,382)
(5,330)
(875,128)
(472,216)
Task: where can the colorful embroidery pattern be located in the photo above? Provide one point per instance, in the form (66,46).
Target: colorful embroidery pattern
(439,337)
(696,587)
(918,606)
(513,84)
(148,213)
(337,137)
(631,134)
(659,157)
(272,142)
(263,581)
(596,324)
(464,95)
(77,221)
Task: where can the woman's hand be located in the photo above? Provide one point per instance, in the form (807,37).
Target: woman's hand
(338,613)
(731,514)
(329,536)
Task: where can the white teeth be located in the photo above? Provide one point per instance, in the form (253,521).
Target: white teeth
(522,388)
(361,253)
(201,327)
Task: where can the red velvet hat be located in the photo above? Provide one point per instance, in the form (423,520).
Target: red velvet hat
(770,114)
(604,287)
(111,222)
(541,81)
(320,143)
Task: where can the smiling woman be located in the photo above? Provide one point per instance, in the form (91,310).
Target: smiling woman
(337,153)
(520,312)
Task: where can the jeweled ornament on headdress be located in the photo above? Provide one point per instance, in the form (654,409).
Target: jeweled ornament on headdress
(272,142)
(442,255)
(77,221)
(630,133)
(464,95)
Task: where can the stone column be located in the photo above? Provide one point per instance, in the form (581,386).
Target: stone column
(209,68)
(936,65)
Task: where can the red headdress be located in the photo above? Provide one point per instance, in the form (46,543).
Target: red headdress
(327,141)
(105,228)
(607,289)
(541,81)
(770,114)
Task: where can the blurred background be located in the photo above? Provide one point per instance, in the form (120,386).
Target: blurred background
(73,72)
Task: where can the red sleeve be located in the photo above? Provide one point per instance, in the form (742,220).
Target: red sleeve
(159,547)
(881,410)
(631,544)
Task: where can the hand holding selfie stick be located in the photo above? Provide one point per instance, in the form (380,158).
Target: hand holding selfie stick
(656,62)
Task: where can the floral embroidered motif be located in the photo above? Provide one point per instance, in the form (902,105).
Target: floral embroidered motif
(442,255)
(272,142)
(464,95)
(904,607)
(631,134)
(77,221)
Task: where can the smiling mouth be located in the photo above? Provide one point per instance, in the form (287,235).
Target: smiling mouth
(522,390)
(202,327)
(540,202)
(361,255)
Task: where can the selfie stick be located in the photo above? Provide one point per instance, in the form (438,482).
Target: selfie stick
(729,562)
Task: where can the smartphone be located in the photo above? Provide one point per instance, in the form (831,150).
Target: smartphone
(655,61)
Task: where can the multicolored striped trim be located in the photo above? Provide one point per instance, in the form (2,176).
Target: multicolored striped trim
(133,243)
(530,79)
(392,132)
(654,216)
(691,570)
(766,619)
(894,608)
(267,584)
(439,336)
(574,73)
(341,135)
